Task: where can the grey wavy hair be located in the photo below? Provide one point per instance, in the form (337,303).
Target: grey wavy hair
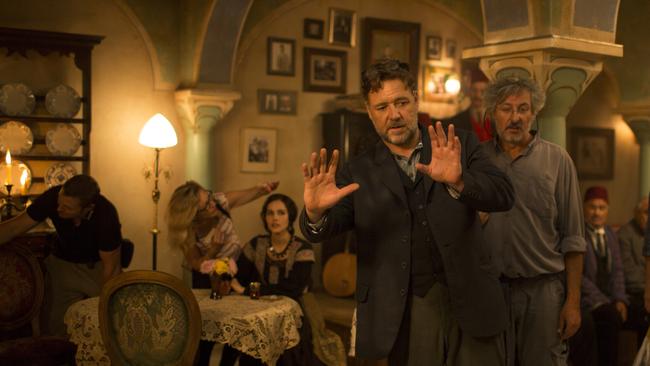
(504,87)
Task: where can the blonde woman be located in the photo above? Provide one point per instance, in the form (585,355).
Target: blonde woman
(199,224)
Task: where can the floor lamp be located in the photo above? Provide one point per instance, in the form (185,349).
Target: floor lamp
(158,133)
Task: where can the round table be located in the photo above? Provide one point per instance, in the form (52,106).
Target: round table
(262,328)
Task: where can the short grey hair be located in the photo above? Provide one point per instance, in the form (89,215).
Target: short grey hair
(504,87)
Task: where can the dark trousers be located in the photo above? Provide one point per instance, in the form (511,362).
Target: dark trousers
(599,331)
(637,317)
(608,323)
(583,349)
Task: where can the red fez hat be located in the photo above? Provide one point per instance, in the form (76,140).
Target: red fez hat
(596,192)
(478,75)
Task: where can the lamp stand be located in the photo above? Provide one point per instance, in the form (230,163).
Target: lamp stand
(155,196)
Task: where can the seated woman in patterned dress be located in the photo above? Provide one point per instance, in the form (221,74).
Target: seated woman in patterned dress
(281,262)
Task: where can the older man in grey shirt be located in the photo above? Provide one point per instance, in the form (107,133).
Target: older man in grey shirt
(539,243)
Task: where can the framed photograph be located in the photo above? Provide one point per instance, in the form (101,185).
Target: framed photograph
(325,70)
(343,28)
(281,56)
(384,38)
(592,150)
(313,28)
(276,101)
(450,48)
(258,150)
(434,48)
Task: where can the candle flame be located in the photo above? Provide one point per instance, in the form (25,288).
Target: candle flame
(8,157)
(23,178)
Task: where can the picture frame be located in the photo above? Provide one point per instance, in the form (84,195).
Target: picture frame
(450,48)
(324,70)
(313,28)
(592,150)
(390,38)
(277,101)
(433,48)
(281,56)
(259,146)
(342,27)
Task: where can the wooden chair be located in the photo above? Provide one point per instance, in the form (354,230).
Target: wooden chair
(149,318)
(21,298)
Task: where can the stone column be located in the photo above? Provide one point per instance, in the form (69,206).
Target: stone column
(639,122)
(200,110)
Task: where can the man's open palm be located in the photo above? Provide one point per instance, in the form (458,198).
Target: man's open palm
(445,164)
(321,192)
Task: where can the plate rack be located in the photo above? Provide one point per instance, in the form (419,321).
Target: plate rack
(20,43)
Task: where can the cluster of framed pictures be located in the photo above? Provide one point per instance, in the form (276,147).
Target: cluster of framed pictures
(434,48)
(324,70)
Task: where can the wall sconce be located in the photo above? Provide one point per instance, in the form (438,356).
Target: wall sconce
(158,133)
(441,84)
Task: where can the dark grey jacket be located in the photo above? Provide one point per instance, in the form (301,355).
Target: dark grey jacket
(378,212)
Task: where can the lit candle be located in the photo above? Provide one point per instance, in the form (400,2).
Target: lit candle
(23,182)
(8,167)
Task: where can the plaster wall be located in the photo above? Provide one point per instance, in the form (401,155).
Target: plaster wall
(122,101)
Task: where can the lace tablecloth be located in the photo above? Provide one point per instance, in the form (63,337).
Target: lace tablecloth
(262,328)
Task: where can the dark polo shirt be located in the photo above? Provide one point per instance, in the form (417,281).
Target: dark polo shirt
(79,244)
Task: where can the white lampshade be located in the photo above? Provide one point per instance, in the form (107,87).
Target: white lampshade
(158,133)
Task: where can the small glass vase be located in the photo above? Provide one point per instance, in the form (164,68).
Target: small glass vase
(220,285)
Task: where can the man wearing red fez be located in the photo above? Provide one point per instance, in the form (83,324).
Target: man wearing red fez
(604,302)
(474,118)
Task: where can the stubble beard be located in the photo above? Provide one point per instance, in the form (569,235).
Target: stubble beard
(518,138)
(402,140)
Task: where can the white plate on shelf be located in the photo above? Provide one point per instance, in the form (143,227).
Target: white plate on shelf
(17,168)
(64,139)
(59,173)
(16,100)
(62,101)
(16,137)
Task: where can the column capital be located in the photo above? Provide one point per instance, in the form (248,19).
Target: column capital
(541,58)
(637,116)
(194,105)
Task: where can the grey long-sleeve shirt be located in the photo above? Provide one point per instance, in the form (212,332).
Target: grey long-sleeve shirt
(546,221)
(630,238)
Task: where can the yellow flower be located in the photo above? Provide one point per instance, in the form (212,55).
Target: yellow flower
(221,266)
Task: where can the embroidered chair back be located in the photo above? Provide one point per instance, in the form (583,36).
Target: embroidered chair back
(149,318)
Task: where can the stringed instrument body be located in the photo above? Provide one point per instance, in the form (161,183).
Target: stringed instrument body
(340,272)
